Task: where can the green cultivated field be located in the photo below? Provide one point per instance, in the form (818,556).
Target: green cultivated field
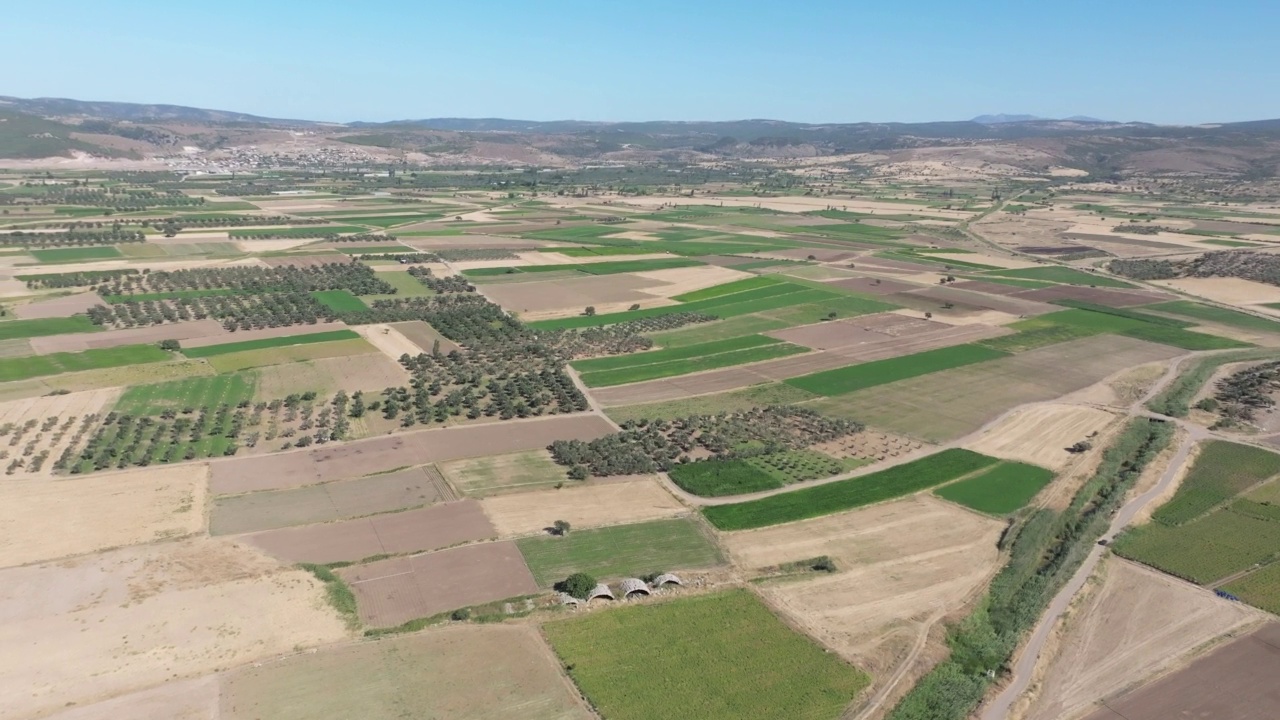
(619,551)
(225,348)
(340,300)
(21,368)
(1131,324)
(405,284)
(622,369)
(711,657)
(1220,544)
(881,372)
(847,494)
(40,327)
(601,268)
(715,478)
(1001,490)
(193,392)
(618,362)
(730,288)
(719,330)
(1222,316)
(1064,275)
(1222,471)
(733,400)
(1260,588)
(60,255)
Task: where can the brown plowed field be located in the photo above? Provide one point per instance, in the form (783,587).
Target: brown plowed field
(244,335)
(420,530)
(58,307)
(574,293)
(1099,296)
(1235,682)
(855,331)
(361,457)
(1012,304)
(395,591)
(80,342)
(874,286)
(254,512)
(606,503)
(1137,623)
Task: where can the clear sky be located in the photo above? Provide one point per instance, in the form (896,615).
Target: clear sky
(1169,61)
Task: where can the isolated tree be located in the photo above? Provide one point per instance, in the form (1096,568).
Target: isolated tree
(928,316)
(589,311)
(170,345)
(634,307)
(560,527)
(578,585)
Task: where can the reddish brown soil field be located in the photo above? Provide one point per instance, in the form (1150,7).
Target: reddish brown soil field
(254,512)
(1229,226)
(1234,682)
(817,253)
(419,530)
(1099,296)
(989,288)
(361,457)
(391,592)
(58,307)
(222,336)
(307,260)
(1012,304)
(79,342)
(874,286)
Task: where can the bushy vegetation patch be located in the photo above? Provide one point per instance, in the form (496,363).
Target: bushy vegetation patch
(339,300)
(187,394)
(1175,400)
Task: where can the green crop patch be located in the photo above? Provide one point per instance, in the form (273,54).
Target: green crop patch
(682,353)
(673,368)
(186,394)
(264,343)
(1221,471)
(881,372)
(62,255)
(309,231)
(600,268)
(847,494)
(21,368)
(1125,324)
(1218,545)
(720,330)
(619,551)
(723,656)
(1063,275)
(1221,316)
(41,327)
(715,478)
(1001,490)
(741,303)
(1260,588)
(730,288)
(340,300)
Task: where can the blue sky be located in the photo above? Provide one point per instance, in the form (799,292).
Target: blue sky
(1173,61)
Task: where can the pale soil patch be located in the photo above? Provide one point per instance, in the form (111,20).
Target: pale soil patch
(48,519)
(899,564)
(58,307)
(678,281)
(634,235)
(424,336)
(369,372)
(195,699)
(271,245)
(1137,623)
(433,674)
(583,506)
(129,619)
(1041,434)
(67,411)
(1232,291)
(79,342)
(263,334)
(390,341)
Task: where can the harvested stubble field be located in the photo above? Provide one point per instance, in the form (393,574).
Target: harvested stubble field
(620,551)
(432,674)
(236,361)
(732,401)
(1134,623)
(338,500)
(104,378)
(222,337)
(369,372)
(361,457)
(1041,434)
(393,592)
(897,564)
(495,474)
(949,404)
(82,630)
(1235,681)
(572,294)
(395,533)
(714,656)
(424,336)
(581,505)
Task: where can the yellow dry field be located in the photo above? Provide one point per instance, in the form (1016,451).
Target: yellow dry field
(43,519)
(369,372)
(1041,434)
(64,409)
(1134,624)
(105,378)
(232,362)
(390,341)
(678,281)
(901,565)
(1232,291)
(584,506)
(125,620)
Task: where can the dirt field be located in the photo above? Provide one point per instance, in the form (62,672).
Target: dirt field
(494,474)
(391,592)
(389,341)
(433,674)
(58,307)
(244,335)
(1236,681)
(875,286)
(584,506)
(401,490)
(1040,435)
(1232,291)
(573,293)
(46,425)
(900,564)
(870,445)
(45,519)
(1099,296)
(124,620)
(857,331)
(429,528)
(960,298)
(80,342)
(424,336)
(361,457)
(678,281)
(369,372)
(1136,623)
(195,699)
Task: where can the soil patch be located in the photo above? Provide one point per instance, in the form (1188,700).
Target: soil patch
(965,299)
(584,506)
(874,286)
(1098,296)
(183,331)
(1040,435)
(265,333)
(58,307)
(195,699)
(46,426)
(425,336)
(389,341)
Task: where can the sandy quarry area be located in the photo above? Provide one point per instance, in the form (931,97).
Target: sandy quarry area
(389,340)
(901,565)
(1041,434)
(1232,291)
(610,503)
(81,630)
(1135,623)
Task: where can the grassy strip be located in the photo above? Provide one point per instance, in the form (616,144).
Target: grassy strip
(1218,545)
(729,288)
(225,348)
(1176,398)
(672,368)
(21,368)
(681,353)
(601,268)
(1123,313)
(41,327)
(1063,275)
(337,592)
(1222,471)
(62,255)
(619,551)
(1222,316)
(855,492)
(1003,489)
(1044,552)
(196,392)
(881,372)
(340,300)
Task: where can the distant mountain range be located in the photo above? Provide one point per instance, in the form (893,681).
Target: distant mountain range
(1002,118)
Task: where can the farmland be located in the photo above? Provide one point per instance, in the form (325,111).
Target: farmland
(1221,471)
(715,656)
(866,375)
(619,551)
(265,343)
(1001,490)
(21,368)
